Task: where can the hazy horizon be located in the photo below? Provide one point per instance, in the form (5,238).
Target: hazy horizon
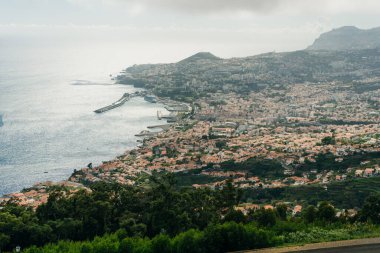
(168,31)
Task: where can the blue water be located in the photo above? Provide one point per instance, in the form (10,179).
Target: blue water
(49,124)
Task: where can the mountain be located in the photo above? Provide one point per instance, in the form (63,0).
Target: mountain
(346,54)
(200,56)
(348,38)
(204,73)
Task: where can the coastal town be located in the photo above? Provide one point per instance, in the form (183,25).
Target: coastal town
(234,127)
(263,122)
(290,128)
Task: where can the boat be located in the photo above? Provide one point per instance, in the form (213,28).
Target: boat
(1,120)
(150,98)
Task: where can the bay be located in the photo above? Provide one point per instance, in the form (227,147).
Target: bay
(50,128)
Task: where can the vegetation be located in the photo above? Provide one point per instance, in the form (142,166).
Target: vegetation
(347,194)
(160,218)
(256,167)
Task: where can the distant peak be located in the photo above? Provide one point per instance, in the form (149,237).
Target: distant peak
(201,56)
(347,38)
(347,28)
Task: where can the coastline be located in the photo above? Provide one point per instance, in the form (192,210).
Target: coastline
(38,193)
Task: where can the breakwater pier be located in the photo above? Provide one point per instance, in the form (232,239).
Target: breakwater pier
(121,101)
(116,104)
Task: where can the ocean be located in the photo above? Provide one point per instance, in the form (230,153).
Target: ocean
(50,128)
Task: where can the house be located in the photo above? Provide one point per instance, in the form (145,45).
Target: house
(347,213)
(297,210)
(247,207)
(368,172)
(358,173)
(266,207)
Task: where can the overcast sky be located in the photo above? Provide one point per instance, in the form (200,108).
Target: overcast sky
(226,27)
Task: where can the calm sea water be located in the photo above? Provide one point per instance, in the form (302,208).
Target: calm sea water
(49,125)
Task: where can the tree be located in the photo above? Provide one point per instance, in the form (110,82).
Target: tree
(4,241)
(235,215)
(371,209)
(310,214)
(328,140)
(189,242)
(265,217)
(326,212)
(281,211)
(230,195)
(161,244)
(221,144)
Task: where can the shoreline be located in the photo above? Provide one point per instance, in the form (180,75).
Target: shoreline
(165,102)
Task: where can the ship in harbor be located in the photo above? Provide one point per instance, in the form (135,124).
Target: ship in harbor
(150,98)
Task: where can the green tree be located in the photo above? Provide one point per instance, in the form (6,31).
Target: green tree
(326,212)
(190,241)
(161,243)
(230,195)
(281,211)
(328,140)
(371,209)
(265,217)
(310,214)
(235,215)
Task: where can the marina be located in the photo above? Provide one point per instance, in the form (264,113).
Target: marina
(150,98)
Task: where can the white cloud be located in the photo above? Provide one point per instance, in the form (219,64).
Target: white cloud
(251,6)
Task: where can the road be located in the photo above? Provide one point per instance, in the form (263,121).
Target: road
(368,245)
(371,248)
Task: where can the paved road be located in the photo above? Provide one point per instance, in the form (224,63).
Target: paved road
(371,248)
(368,245)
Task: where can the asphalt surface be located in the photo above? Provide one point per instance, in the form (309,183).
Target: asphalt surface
(367,245)
(371,248)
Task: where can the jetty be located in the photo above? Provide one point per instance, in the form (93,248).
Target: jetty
(146,133)
(114,105)
(163,127)
(121,101)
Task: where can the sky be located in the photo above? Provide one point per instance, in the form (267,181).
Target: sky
(173,29)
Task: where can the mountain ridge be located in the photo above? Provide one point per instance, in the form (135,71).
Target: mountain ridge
(347,38)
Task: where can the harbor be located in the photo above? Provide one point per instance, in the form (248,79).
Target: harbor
(176,111)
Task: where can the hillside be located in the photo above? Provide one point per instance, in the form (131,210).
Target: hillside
(202,73)
(348,38)
(347,54)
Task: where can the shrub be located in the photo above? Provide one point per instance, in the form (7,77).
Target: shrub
(190,241)
(161,243)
